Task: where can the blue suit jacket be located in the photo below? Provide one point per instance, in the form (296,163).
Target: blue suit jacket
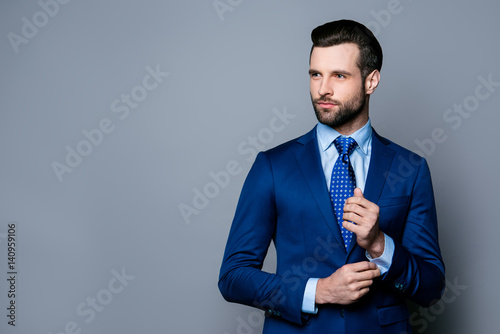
(285,199)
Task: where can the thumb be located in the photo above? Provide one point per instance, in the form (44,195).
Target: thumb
(358,193)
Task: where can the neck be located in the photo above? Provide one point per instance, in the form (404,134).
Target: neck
(355,124)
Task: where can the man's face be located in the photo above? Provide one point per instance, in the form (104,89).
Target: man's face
(337,88)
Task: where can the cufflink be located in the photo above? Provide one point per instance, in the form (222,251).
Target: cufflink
(400,287)
(272,312)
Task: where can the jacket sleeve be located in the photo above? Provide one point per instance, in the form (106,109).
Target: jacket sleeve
(241,279)
(417,269)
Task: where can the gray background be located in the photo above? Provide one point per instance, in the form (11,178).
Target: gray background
(119,209)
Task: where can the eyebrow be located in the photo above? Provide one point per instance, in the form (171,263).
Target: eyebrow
(343,72)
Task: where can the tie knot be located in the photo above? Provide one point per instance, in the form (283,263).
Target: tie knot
(345,145)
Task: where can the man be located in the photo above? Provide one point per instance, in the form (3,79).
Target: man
(351,214)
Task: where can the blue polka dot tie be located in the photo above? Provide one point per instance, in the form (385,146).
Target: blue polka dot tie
(343,182)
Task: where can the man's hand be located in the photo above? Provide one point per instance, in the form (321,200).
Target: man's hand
(365,215)
(346,285)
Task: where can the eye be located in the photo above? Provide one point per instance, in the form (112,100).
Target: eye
(315,75)
(340,76)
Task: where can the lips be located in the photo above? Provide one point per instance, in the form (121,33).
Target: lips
(326,104)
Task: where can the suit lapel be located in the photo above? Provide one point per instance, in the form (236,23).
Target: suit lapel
(380,163)
(309,161)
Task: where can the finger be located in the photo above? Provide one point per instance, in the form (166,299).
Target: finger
(366,221)
(361,266)
(361,201)
(358,293)
(354,208)
(352,227)
(363,291)
(361,285)
(353,217)
(368,275)
(362,217)
(358,193)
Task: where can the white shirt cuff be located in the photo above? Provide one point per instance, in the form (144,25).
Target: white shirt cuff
(309,301)
(385,260)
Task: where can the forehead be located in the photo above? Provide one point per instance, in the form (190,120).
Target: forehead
(342,56)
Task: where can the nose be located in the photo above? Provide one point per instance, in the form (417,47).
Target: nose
(325,88)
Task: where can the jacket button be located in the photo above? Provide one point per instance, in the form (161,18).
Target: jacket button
(342,313)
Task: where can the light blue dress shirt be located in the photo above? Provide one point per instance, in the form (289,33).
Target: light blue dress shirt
(360,160)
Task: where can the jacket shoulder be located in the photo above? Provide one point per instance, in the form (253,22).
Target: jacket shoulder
(398,149)
(291,145)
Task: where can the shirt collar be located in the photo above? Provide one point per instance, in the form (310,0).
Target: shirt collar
(326,136)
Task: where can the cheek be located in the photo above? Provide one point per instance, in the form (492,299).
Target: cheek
(351,92)
(314,87)
(342,93)
(313,84)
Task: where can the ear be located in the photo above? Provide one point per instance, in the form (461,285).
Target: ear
(371,81)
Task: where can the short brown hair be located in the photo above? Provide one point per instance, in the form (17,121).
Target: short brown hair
(348,31)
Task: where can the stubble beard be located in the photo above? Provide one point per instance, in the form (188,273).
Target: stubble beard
(346,112)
